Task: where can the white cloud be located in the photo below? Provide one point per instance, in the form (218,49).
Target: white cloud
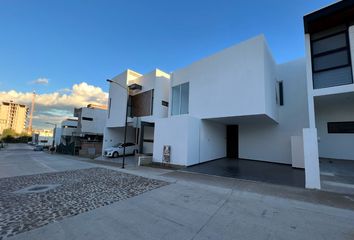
(58,105)
(41,81)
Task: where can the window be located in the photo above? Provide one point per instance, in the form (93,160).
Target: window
(331,65)
(340,127)
(87,118)
(180,99)
(281,93)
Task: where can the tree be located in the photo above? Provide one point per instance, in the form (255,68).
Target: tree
(8,132)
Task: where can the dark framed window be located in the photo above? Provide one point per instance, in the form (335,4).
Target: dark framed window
(281,93)
(340,127)
(331,61)
(87,118)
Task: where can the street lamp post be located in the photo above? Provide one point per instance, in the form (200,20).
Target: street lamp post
(55,129)
(126,118)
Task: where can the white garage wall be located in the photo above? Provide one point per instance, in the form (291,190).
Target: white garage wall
(212,140)
(182,134)
(337,146)
(269,141)
(113,136)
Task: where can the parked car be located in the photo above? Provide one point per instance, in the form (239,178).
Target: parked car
(38,148)
(117,150)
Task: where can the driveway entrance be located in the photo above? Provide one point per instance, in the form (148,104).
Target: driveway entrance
(275,173)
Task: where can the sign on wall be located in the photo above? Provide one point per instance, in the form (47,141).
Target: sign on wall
(166,153)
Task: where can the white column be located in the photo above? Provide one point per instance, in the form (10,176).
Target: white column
(312,166)
(311,158)
(310,101)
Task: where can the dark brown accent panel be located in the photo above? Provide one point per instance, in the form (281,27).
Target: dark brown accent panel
(141,104)
(341,12)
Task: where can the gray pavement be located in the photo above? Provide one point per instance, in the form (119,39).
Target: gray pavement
(192,206)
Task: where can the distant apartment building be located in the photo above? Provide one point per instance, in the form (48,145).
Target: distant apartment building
(13,116)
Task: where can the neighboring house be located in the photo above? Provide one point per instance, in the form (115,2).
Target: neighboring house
(329,37)
(148,101)
(64,139)
(239,103)
(82,134)
(42,137)
(90,127)
(13,116)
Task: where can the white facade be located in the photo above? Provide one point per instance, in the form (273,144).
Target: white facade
(242,73)
(238,86)
(91,120)
(157,83)
(69,127)
(330,87)
(240,98)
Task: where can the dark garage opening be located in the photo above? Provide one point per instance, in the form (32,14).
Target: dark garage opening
(275,173)
(233,166)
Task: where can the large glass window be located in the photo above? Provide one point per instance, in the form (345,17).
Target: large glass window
(180,99)
(331,63)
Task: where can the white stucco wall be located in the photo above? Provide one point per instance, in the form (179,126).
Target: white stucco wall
(334,109)
(270,86)
(68,131)
(192,140)
(182,134)
(212,140)
(232,77)
(98,123)
(269,141)
(161,93)
(117,101)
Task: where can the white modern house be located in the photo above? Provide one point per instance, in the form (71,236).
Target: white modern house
(148,101)
(64,133)
(240,104)
(91,120)
(82,134)
(237,103)
(329,38)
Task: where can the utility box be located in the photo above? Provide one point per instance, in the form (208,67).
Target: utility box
(166,153)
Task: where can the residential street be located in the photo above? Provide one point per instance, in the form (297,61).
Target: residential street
(87,200)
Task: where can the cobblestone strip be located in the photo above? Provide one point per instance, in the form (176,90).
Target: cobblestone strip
(77,191)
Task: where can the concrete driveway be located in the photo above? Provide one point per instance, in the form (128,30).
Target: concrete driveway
(189,206)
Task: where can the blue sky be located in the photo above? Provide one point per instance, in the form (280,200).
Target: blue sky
(70,41)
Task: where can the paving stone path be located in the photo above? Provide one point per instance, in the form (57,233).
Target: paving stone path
(25,204)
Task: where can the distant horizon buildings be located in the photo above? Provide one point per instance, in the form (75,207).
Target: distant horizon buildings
(13,116)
